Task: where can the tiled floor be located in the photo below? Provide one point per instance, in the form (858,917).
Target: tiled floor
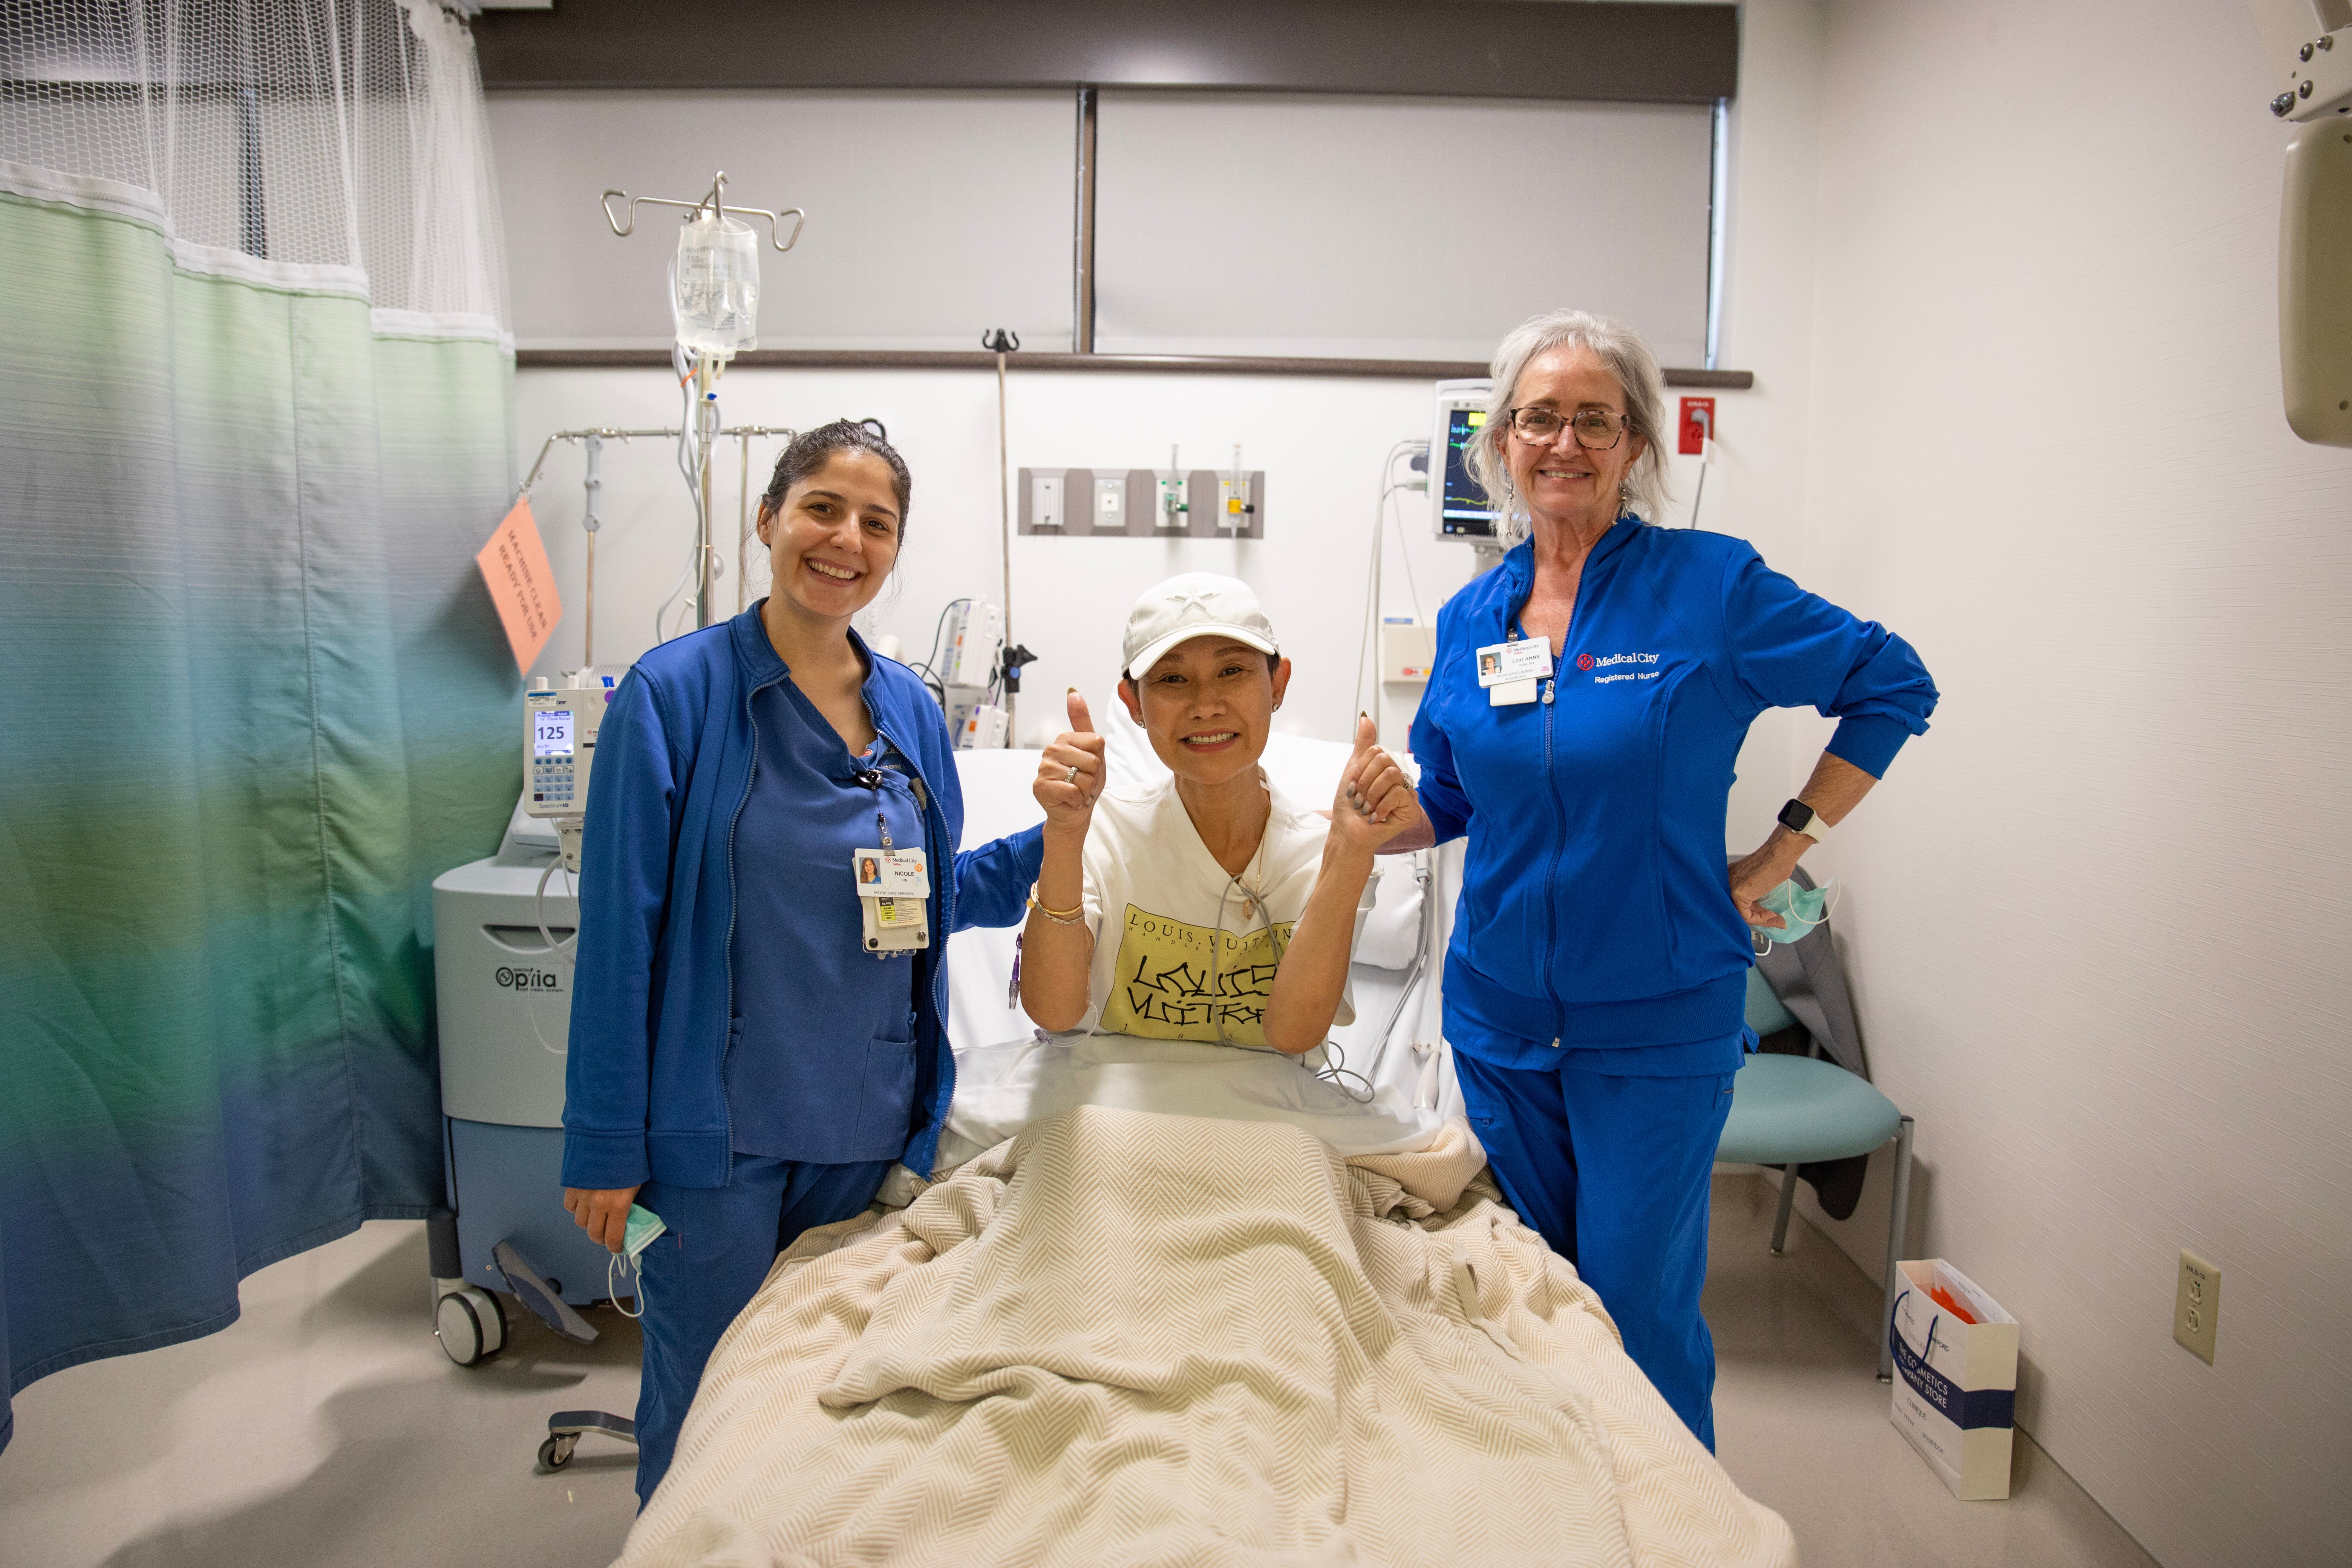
(326,1429)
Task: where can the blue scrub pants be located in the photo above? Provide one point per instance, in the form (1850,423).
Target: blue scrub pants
(705,1268)
(1613,1172)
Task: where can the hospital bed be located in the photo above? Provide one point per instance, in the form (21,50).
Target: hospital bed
(1175,1303)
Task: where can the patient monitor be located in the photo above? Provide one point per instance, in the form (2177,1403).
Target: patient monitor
(1457,506)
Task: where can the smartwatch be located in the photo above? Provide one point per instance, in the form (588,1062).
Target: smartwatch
(1799,818)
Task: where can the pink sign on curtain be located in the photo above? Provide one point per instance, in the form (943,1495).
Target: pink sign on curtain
(521,584)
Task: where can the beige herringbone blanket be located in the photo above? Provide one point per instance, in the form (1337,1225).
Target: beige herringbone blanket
(1123,1338)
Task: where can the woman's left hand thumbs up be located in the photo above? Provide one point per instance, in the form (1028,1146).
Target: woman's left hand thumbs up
(1375,801)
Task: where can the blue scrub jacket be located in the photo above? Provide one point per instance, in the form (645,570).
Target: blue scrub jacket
(1594,909)
(644,1086)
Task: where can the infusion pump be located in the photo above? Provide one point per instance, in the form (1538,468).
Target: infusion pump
(559,745)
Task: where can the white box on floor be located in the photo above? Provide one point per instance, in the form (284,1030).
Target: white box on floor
(1955,1381)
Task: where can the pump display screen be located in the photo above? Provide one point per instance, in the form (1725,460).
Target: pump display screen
(550,733)
(1464,510)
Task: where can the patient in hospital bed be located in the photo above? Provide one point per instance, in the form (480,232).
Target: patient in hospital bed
(1215,1337)
(1191,955)
(1204,905)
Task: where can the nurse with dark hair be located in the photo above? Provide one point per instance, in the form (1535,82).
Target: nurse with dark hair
(1589,698)
(752,1049)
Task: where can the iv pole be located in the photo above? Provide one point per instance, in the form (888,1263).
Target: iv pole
(1003,342)
(590,522)
(708,364)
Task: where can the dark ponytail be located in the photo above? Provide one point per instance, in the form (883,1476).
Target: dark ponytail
(811,449)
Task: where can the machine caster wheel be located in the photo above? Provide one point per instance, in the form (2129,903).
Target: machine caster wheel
(470,1324)
(556,1452)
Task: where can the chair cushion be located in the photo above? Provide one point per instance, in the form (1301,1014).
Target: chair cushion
(1787,1111)
(1766,1015)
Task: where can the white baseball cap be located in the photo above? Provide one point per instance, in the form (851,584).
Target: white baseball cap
(1196,604)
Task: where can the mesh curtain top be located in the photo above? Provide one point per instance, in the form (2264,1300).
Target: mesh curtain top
(340,142)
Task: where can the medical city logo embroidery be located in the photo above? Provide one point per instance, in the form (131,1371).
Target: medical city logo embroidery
(1645,666)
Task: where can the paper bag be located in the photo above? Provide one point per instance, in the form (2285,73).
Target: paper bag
(1955,1381)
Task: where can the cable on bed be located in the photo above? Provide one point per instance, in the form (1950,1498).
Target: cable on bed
(1335,1070)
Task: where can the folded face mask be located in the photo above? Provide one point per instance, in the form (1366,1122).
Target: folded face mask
(644,1224)
(1802,908)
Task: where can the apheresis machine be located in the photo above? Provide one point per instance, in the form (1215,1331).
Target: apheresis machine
(504,928)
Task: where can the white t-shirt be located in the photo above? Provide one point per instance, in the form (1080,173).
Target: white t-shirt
(1156,902)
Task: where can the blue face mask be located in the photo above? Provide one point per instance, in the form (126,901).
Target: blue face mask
(644,1224)
(1802,908)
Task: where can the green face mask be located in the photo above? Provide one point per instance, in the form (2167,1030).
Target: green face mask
(643,1226)
(1802,908)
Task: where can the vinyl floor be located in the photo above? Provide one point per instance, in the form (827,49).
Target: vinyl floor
(326,1429)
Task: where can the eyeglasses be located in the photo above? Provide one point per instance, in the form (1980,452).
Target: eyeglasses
(1595,431)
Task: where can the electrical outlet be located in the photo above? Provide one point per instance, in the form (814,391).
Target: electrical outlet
(2196,1307)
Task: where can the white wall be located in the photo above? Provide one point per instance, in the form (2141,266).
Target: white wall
(1320,442)
(2096,918)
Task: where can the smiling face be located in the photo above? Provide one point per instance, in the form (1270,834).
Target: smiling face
(835,538)
(1208,705)
(1561,479)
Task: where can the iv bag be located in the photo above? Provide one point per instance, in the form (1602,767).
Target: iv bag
(714,285)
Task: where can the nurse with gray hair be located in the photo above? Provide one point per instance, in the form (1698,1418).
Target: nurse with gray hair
(1588,703)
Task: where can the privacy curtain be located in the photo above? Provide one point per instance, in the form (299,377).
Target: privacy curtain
(254,423)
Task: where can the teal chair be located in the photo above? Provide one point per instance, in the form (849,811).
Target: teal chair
(1790,1110)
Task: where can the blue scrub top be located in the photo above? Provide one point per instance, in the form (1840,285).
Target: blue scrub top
(821,1068)
(1595,914)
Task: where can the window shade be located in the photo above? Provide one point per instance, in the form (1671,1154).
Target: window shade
(932,216)
(1394,229)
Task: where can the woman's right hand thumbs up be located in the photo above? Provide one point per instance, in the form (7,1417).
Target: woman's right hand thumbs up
(1071,774)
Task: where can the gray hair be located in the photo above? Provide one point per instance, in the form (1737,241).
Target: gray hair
(1620,350)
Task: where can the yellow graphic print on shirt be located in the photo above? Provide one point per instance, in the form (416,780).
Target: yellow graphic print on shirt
(1165,988)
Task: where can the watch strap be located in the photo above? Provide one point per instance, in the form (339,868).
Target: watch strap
(1799,818)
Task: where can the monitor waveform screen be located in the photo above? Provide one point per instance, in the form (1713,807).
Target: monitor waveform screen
(1463,511)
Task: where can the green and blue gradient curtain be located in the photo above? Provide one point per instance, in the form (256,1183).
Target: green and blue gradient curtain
(253,699)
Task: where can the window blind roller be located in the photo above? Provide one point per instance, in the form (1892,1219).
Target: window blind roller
(1394,229)
(931,215)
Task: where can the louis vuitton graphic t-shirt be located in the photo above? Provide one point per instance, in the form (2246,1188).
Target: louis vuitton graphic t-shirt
(1179,947)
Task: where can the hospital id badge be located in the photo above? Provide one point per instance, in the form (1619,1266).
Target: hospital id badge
(1509,663)
(894,925)
(890,874)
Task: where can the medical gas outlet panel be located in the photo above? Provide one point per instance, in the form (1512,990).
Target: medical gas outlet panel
(559,741)
(1143,503)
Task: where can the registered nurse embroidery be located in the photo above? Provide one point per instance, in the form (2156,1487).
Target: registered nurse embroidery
(1643,667)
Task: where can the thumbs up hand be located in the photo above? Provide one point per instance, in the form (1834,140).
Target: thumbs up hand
(1375,801)
(1071,774)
